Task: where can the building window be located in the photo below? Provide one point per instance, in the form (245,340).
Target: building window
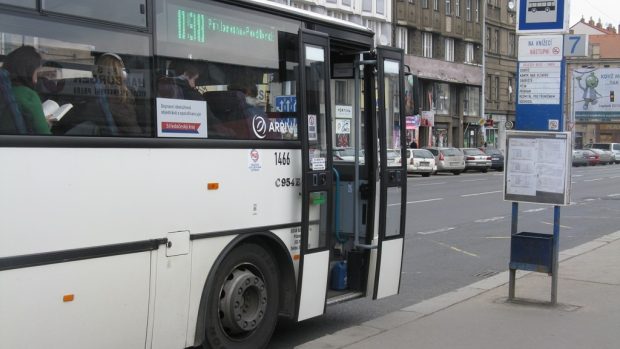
(402,38)
(346,3)
(488,39)
(427,45)
(436,5)
(457,8)
(496,41)
(471,101)
(380,7)
(448,7)
(477,11)
(511,98)
(488,88)
(367,5)
(442,98)
(496,89)
(449,42)
(468,10)
(469,53)
(424,3)
(511,44)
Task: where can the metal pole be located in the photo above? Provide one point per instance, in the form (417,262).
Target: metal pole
(513,231)
(556,247)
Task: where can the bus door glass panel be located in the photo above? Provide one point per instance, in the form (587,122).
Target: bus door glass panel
(394,142)
(317,167)
(392,196)
(318,151)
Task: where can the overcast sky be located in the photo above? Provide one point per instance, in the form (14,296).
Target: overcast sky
(607,10)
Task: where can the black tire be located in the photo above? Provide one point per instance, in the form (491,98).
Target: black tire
(456,173)
(246,318)
(426,174)
(484,170)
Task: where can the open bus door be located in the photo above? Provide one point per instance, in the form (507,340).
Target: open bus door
(392,180)
(317,166)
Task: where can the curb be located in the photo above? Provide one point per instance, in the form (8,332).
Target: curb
(355,334)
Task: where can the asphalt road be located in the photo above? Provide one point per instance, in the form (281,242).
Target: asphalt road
(458,232)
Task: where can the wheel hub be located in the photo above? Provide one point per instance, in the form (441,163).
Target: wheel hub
(243,302)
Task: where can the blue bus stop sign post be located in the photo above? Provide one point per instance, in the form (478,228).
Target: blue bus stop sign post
(540,100)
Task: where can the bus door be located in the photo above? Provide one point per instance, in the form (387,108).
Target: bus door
(392,193)
(317,177)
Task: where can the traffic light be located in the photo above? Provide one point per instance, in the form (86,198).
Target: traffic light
(612,97)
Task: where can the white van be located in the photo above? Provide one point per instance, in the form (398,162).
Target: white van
(613,147)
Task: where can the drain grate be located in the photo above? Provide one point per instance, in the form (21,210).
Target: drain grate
(486,274)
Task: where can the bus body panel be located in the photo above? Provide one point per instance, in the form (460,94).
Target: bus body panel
(109,307)
(140,194)
(172,293)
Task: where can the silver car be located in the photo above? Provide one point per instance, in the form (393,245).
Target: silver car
(476,159)
(420,161)
(448,159)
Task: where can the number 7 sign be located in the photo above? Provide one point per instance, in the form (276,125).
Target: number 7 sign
(575,45)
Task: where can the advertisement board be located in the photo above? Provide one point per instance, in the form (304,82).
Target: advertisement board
(595,94)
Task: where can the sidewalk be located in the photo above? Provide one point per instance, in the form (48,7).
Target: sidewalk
(479,316)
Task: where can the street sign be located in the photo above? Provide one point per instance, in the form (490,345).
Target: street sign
(539,96)
(575,45)
(540,47)
(536,16)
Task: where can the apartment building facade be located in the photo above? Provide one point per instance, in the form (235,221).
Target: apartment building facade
(500,70)
(442,40)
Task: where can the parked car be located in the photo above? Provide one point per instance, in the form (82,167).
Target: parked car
(581,157)
(393,157)
(348,154)
(592,157)
(605,156)
(613,147)
(497,158)
(448,159)
(420,161)
(476,159)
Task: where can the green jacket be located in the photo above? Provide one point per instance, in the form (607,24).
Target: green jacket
(29,105)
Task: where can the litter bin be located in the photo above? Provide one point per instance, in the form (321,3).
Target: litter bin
(532,251)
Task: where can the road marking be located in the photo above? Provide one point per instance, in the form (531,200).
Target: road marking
(454,248)
(535,210)
(613,195)
(419,201)
(561,226)
(496,237)
(474,180)
(435,231)
(593,180)
(613,177)
(486,220)
(426,184)
(575,175)
(589,200)
(485,193)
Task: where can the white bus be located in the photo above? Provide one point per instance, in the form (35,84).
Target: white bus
(191,195)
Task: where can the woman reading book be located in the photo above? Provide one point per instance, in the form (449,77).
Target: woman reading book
(23,65)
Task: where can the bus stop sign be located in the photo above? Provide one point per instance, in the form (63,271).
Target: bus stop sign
(538,16)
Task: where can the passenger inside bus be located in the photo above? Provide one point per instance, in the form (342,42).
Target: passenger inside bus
(110,72)
(22,66)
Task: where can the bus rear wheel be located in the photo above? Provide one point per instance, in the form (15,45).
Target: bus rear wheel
(242,305)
